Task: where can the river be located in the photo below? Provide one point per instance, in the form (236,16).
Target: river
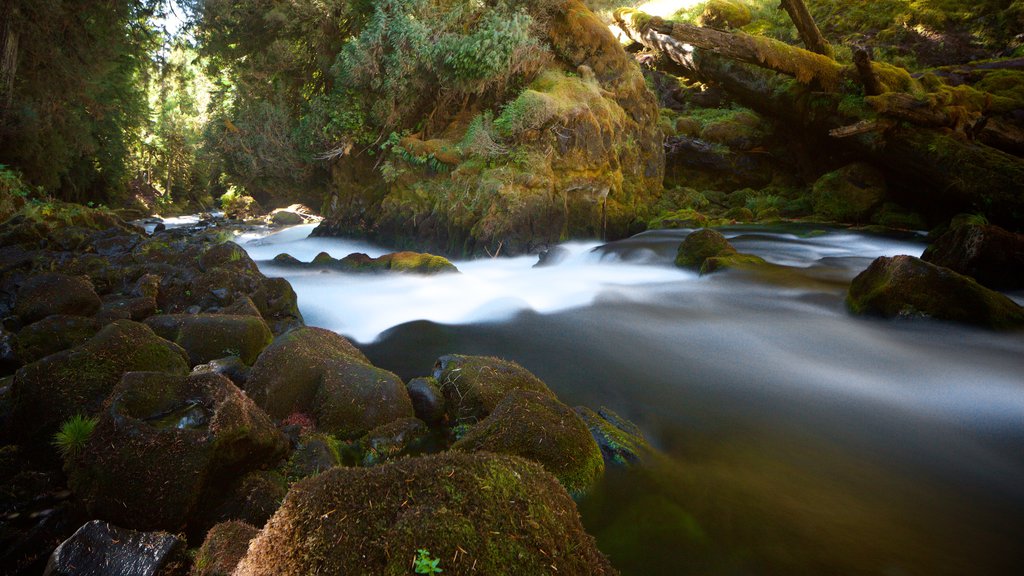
(797,439)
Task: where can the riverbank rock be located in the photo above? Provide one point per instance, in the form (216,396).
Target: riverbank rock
(407,262)
(46,294)
(355,397)
(849,194)
(53,334)
(621,442)
(225,545)
(77,381)
(540,428)
(707,251)
(169,438)
(989,254)
(474,385)
(396,439)
(314,453)
(427,400)
(207,337)
(477,513)
(904,286)
(102,548)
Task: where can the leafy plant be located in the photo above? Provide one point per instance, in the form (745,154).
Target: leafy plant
(73,435)
(424,564)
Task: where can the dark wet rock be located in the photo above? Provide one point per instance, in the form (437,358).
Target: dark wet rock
(278,304)
(393,440)
(477,512)
(225,545)
(538,427)
(849,194)
(230,367)
(76,381)
(148,285)
(100,548)
(53,334)
(208,337)
(904,286)
(989,254)
(243,306)
(621,442)
(552,256)
(47,294)
(171,438)
(287,374)
(314,454)
(135,308)
(427,400)
(253,499)
(9,359)
(287,260)
(354,397)
(474,385)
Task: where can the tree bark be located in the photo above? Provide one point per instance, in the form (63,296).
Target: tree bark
(807,28)
(8,58)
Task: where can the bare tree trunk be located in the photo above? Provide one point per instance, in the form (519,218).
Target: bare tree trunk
(8,57)
(807,28)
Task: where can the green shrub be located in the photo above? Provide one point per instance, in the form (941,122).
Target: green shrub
(73,435)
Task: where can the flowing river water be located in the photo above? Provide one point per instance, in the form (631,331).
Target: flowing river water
(797,439)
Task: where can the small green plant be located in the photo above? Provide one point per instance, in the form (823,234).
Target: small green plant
(73,435)
(424,564)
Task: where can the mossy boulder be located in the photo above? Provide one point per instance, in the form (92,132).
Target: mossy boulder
(700,245)
(621,442)
(716,263)
(401,437)
(285,217)
(169,438)
(53,334)
(252,499)
(849,194)
(905,286)
(77,381)
(538,427)
(225,545)
(286,376)
(354,397)
(315,453)
(478,513)
(725,14)
(46,294)
(207,337)
(474,385)
(415,262)
(278,304)
(989,254)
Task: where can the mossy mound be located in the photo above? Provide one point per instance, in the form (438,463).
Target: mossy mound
(286,376)
(904,286)
(402,437)
(354,397)
(77,381)
(849,194)
(409,262)
(225,545)
(724,14)
(415,262)
(315,453)
(170,438)
(538,427)
(46,294)
(207,337)
(621,442)
(992,256)
(252,499)
(474,385)
(478,513)
(716,263)
(53,334)
(700,245)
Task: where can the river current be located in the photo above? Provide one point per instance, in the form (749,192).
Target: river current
(797,439)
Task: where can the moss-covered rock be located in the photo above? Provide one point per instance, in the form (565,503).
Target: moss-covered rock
(286,376)
(716,263)
(315,453)
(849,194)
(478,513)
(700,245)
(725,14)
(402,437)
(278,304)
(252,499)
(53,334)
(474,385)
(76,381)
(354,397)
(170,438)
(538,427)
(46,294)
(621,442)
(225,545)
(989,254)
(411,262)
(207,337)
(904,286)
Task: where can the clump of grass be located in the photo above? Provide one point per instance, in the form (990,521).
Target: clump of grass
(73,435)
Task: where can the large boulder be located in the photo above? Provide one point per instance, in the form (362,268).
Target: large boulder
(99,548)
(478,513)
(849,194)
(992,256)
(538,427)
(207,337)
(225,545)
(474,385)
(169,438)
(707,250)
(46,294)
(77,381)
(53,334)
(286,376)
(355,397)
(905,286)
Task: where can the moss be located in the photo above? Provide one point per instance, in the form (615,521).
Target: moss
(892,215)
(538,427)
(323,259)
(397,439)
(740,214)
(621,442)
(479,513)
(1007,84)
(807,67)
(225,545)
(416,262)
(684,218)
(904,286)
(699,246)
(314,454)
(716,263)
(354,397)
(724,14)
(46,294)
(474,385)
(53,334)
(849,194)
